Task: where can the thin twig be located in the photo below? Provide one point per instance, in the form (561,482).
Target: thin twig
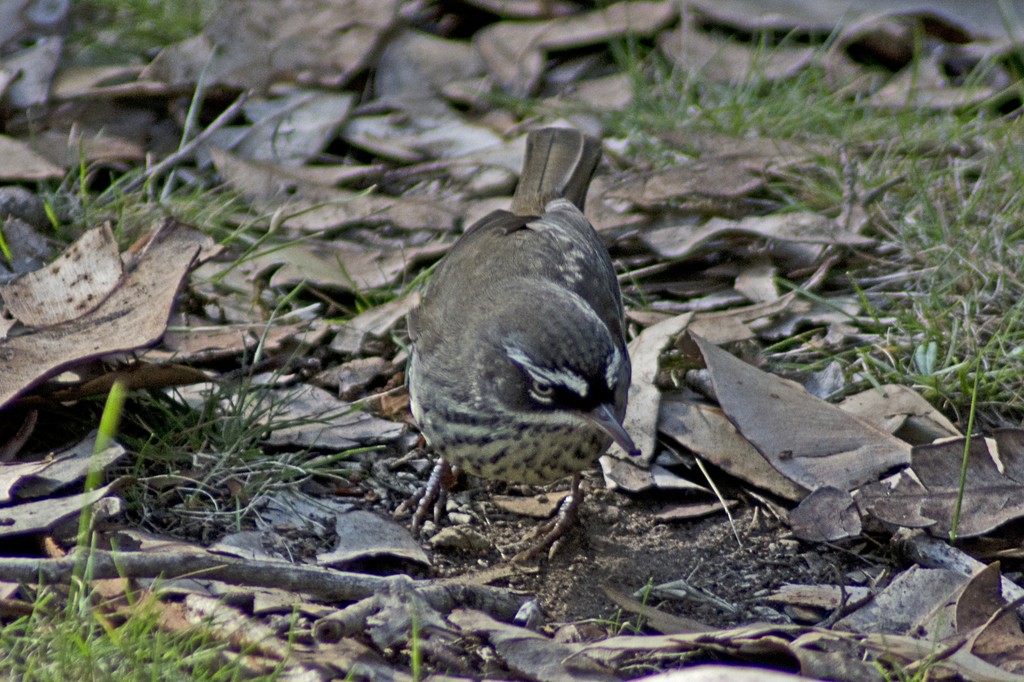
(186,150)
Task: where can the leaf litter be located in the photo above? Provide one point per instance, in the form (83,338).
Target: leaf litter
(791,470)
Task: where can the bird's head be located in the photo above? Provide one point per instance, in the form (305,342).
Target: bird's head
(555,361)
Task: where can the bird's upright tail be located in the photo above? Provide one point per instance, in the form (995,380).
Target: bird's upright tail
(559,164)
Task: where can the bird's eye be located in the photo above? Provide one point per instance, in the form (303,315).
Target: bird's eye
(542,389)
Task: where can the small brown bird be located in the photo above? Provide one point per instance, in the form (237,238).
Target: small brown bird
(519,370)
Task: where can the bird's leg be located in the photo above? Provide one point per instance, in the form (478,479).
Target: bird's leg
(547,537)
(433,494)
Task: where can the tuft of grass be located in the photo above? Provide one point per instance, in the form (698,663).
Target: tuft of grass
(80,640)
(120,31)
(942,293)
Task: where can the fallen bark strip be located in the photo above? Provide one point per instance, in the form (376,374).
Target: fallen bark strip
(326,584)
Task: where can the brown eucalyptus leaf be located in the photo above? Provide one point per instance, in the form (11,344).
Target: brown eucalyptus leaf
(723,59)
(255,43)
(993,493)
(43,515)
(1000,641)
(705,430)
(133,316)
(810,441)
(363,535)
(515,51)
(19,163)
(531,655)
(69,287)
(826,515)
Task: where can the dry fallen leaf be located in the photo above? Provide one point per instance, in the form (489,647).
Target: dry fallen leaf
(363,535)
(255,43)
(812,442)
(19,163)
(133,316)
(723,59)
(315,418)
(515,51)
(826,515)
(993,495)
(705,430)
(72,285)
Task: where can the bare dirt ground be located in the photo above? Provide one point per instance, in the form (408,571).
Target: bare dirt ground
(619,544)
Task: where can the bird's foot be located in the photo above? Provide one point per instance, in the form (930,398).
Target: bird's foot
(549,536)
(433,495)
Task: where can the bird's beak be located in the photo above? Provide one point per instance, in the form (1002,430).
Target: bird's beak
(604,418)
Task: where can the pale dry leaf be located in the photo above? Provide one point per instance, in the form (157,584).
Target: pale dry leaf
(525,9)
(826,515)
(924,85)
(415,66)
(375,322)
(707,432)
(313,207)
(74,284)
(352,379)
(66,468)
(35,66)
(604,94)
(688,511)
(800,228)
(529,654)
(23,18)
(74,82)
(918,601)
(902,411)
(825,597)
(757,282)
(290,130)
(69,148)
(19,163)
(645,351)
(515,51)
(535,506)
(315,418)
(133,316)
(725,673)
(723,59)
(341,265)
(255,43)
(417,135)
(363,535)
(992,495)
(812,442)
(43,515)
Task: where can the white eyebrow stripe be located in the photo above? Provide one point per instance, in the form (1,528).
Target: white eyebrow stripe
(565,378)
(611,374)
